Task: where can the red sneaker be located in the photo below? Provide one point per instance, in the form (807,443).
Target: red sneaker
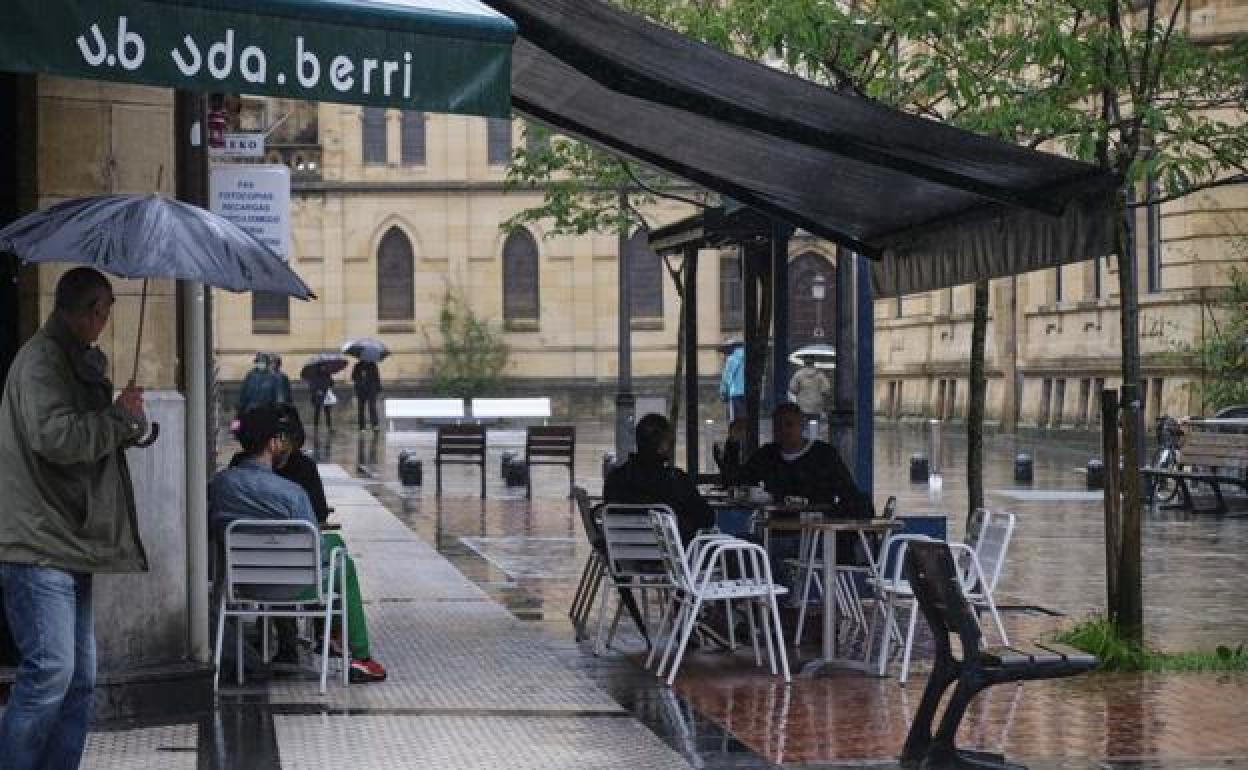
(367,670)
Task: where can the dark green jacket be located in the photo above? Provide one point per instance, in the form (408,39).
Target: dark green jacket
(68,500)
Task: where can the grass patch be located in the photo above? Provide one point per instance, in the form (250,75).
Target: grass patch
(1101,638)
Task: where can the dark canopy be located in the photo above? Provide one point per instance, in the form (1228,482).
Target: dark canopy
(936,205)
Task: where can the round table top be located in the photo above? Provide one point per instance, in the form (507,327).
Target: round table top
(831,524)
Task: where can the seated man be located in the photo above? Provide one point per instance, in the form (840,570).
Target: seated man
(298,467)
(649,477)
(794,466)
(252,490)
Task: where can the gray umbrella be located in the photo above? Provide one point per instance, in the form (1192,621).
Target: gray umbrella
(366,349)
(150,236)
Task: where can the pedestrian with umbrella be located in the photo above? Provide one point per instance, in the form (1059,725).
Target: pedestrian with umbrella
(366,376)
(319,373)
(69,508)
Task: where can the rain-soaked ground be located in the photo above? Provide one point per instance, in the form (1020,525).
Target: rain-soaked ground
(724,713)
(530,553)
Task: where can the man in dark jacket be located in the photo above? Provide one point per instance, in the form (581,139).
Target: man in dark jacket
(68,513)
(649,477)
(367,380)
(794,466)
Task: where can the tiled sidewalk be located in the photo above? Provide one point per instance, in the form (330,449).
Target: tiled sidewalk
(469,685)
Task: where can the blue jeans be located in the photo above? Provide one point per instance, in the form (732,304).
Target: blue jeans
(49,614)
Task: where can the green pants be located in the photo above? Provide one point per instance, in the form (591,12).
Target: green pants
(357,631)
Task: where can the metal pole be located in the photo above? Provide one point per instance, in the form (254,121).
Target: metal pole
(864,324)
(779,240)
(192,184)
(753,338)
(841,421)
(625,403)
(690,308)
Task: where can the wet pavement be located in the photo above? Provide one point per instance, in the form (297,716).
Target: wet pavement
(723,712)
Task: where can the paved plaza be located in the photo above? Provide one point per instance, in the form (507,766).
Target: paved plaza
(467,603)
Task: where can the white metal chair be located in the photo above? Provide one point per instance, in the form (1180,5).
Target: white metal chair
(634,562)
(268,566)
(595,565)
(701,580)
(980,559)
(810,577)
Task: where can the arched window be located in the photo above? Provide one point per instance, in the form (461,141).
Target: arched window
(812,300)
(373,134)
(521,278)
(396,299)
(498,141)
(413,138)
(645,274)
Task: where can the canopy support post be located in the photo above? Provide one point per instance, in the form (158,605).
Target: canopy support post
(841,420)
(192,187)
(625,402)
(690,311)
(779,240)
(864,360)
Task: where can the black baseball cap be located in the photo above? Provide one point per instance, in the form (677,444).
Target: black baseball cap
(259,425)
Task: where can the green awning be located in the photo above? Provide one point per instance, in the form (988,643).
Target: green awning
(430,55)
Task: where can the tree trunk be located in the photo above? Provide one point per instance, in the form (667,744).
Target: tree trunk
(975,412)
(1129,607)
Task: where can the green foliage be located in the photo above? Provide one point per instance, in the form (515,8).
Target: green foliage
(1101,638)
(585,189)
(1224,353)
(471,356)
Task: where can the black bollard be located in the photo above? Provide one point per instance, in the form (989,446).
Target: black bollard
(516,474)
(410,470)
(1023,468)
(919,469)
(1096,473)
(508,459)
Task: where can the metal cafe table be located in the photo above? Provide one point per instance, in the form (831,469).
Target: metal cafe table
(826,528)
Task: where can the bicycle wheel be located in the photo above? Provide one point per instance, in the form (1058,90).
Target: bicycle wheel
(1165,488)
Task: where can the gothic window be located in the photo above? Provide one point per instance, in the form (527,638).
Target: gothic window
(499,141)
(395,289)
(645,272)
(731,294)
(373,134)
(521,275)
(413,138)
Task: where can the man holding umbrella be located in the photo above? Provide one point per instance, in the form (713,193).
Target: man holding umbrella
(365,375)
(69,513)
(319,373)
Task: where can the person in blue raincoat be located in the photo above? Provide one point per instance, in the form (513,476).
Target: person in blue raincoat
(260,387)
(732,380)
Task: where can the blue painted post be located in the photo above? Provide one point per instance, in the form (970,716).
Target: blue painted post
(864,436)
(779,314)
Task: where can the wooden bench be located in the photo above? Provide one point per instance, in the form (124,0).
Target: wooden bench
(1211,457)
(435,409)
(934,579)
(550,445)
(460,445)
(510,408)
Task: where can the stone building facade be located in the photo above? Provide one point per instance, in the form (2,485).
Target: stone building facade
(391,210)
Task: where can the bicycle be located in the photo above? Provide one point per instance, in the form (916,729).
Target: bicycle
(1168,457)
